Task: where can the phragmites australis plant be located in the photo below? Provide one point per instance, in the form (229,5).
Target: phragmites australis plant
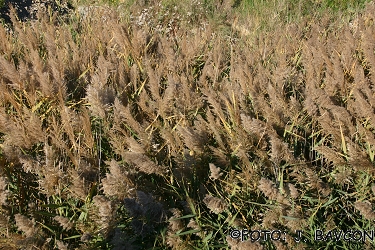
(161,125)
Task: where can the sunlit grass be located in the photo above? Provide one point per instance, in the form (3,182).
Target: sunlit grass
(166,125)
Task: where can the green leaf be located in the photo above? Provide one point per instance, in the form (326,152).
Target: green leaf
(329,202)
(188,232)
(183,217)
(72,237)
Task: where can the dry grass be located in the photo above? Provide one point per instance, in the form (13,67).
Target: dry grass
(159,133)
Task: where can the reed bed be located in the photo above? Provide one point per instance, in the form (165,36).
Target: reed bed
(149,131)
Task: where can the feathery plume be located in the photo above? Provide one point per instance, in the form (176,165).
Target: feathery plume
(175,223)
(144,164)
(100,99)
(64,222)
(215,172)
(106,211)
(117,183)
(174,241)
(219,156)
(365,208)
(253,126)
(3,191)
(292,191)
(343,176)
(271,218)
(86,237)
(295,221)
(50,180)
(317,183)
(30,165)
(61,245)
(279,150)
(194,139)
(269,190)
(193,225)
(215,204)
(78,185)
(25,225)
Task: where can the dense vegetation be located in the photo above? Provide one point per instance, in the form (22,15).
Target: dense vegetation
(168,125)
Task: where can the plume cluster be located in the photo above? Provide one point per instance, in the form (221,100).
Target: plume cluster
(156,132)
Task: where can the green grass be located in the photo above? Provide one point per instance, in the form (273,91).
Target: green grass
(266,13)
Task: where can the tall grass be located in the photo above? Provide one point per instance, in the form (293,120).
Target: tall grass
(170,129)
